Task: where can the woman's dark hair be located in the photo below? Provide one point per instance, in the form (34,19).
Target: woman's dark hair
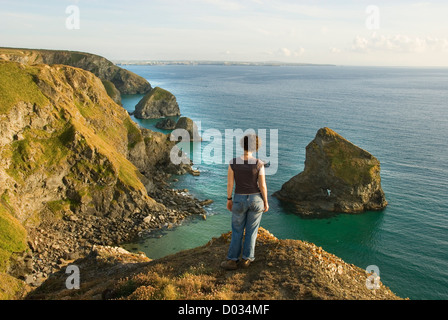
(250,142)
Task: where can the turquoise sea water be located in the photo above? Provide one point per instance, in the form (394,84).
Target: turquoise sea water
(398,114)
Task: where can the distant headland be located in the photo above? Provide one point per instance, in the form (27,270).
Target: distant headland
(218,63)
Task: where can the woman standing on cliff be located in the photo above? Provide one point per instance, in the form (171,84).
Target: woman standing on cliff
(247,205)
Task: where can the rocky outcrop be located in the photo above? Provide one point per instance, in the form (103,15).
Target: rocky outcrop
(158,103)
(191,127)
(166,124)
(338,177)
(283,270)
(75,170)
(124,80)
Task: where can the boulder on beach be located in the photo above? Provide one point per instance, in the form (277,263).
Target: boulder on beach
(158,103)
(338,177)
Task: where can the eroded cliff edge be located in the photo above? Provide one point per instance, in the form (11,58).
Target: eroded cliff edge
(338,177)
(75,171)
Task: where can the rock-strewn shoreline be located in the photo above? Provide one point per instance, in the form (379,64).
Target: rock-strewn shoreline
(55,243)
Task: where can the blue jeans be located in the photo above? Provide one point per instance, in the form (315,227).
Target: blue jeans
(246,216)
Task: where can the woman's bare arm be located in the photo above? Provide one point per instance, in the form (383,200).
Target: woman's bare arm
(263,188)
(230,181)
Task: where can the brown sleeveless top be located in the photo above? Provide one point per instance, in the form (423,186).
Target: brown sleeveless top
(246,175)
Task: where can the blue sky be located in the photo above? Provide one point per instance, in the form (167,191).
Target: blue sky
(344,32)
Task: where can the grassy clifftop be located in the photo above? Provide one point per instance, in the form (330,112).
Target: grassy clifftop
(283,270)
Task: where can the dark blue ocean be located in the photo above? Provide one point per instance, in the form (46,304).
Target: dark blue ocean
(400,115)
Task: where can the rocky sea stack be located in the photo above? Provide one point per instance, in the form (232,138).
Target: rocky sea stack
(191,127)
(338,177)
(158,103)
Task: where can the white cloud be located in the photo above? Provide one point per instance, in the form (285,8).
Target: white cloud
(291,53)
(224,4)
(335,50)
(299,52)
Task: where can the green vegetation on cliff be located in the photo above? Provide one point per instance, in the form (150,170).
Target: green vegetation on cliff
(134,134)
(37,150)
(17,85)
(351,164)
(159,94)
(112,91)
(11,288)
(12,236)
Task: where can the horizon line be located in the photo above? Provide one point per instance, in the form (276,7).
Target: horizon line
(224,62)
(251,63)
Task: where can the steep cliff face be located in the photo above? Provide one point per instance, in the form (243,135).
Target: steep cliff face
(125,81)
(338,177)
(68,152)
(69,128)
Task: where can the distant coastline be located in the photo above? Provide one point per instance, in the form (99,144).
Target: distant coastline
(218,63)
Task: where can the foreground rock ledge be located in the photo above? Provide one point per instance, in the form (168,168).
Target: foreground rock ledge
(338,177)
(284,269)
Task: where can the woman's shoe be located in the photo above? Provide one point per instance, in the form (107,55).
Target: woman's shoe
(245,263)
(229,265)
